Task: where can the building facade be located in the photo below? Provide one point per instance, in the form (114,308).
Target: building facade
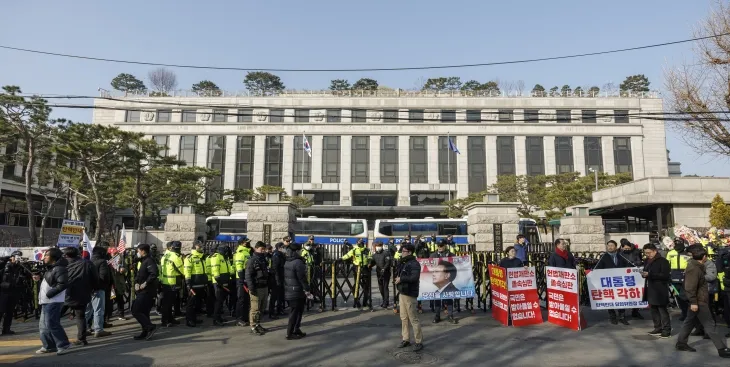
(387,154)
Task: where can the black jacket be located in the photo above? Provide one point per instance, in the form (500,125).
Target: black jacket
(257,272)
(295,278)
(82,279)
(148,273)
(422,250)
(382,260)
(57,278)
(558,261)
(606,262)
(409,272)
(104,280)
(634,257)
(278,260)
(657,282)
(438,255)
(510,263)
(10,279)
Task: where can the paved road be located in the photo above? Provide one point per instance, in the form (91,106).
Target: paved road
(354,338)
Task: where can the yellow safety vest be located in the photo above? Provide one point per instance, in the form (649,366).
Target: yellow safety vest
(170,264)
(195,270)
(359,256)
(220,268)
(677,261)
(240,259)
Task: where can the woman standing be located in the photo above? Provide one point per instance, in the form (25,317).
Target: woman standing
(511,261)
(296,290)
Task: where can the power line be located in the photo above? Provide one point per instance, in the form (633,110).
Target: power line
(92,58)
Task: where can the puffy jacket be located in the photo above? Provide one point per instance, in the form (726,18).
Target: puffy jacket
(104,280)
(278,262)
(148,274)
(409,272)
(82,279)
(257,272)
(382,260)
(295,278)
(57,278)
(634,257)
(10,278)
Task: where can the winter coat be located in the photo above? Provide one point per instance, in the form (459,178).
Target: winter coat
(557,261)
(257,271)
(511,263)
(606,262)
(104,280)
(657,282)
(278,262)
(148,274)
(634,257)
(57,278)
(295,278)
(695,284)
(409,271)
(82,280)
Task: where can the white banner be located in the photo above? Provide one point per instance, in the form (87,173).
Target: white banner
(616,288)
(71,233)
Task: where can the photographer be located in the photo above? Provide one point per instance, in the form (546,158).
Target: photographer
(10,289)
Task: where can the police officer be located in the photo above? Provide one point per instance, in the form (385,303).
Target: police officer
(145,284)
(451,244)
(221,269)
(678,260)
(171,275)
(360,256)
(197,283)
(432,244)
(10,289)
(383,262)
(240,260)
(346,247)
(306,254)
(210,293)
(391,246)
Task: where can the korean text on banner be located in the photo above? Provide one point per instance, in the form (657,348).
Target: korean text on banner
(500,297)
(616,288)
(71,232)
(446,278)
(524,303)
(562,292)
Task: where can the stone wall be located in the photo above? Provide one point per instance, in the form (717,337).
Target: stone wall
(482,216)
(185,228)
(585,233)
(280,214)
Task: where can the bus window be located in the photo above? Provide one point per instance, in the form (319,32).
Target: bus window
(462,229)
(400,229)
(233,226)
(386,229)
(319,228)
(448,228)
(299,227)
(356,229)
(341,229)
(424,229)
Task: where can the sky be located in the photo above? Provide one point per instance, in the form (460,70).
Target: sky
(350,34)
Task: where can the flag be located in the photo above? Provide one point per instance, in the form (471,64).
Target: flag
(88,246)
(307,147)
(453,147)
(122,240)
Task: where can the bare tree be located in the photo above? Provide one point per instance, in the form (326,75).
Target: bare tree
(701,91)
(520,86)
(508,87)
(163,81)
(610,88)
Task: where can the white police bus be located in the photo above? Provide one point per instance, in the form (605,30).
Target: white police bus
(232,228)
(385,229)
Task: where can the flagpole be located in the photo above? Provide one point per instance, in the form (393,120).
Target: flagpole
(301,189)
(448,164)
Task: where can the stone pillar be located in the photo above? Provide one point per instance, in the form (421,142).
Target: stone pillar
(585,232)
(185,228)
(483,215)
(279,216)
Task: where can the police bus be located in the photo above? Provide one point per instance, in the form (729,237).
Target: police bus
(232,228)
(385,229)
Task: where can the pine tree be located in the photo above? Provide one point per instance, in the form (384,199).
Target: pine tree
(719,213)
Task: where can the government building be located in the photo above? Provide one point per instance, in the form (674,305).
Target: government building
(386,154)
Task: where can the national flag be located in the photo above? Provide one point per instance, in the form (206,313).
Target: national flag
(88,246)
(307,147)
(453,147)
(122,240)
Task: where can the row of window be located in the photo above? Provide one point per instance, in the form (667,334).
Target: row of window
(446,116)
(389,161)
(377,198)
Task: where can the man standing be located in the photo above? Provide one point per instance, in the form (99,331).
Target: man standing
(278,261)
(383,262)
(51,297)
(656,273)
(521,248)
(257,279)
(243,301)
(407,280)
(360,256)
(10,289)
(443,276)
(612,259)
(221,269)
(197,282)
(96,310)
(145,284)
(82,280)
(171,279)
(561,258)
(696,289)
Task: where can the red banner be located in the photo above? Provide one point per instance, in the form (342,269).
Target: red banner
(524,303)
(563,300)
(500,296)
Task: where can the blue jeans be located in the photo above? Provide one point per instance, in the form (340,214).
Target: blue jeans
(53,336)
(95,310)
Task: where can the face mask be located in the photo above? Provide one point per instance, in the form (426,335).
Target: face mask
(308,247)
(139,255)
(379,249)
(398,247)
(627,251)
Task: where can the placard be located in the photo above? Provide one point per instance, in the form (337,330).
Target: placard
(446,278)
(524,302)
(619,288)
(71,232)
(500,295)
(563,299)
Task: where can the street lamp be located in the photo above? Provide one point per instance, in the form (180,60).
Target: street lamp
(595,173)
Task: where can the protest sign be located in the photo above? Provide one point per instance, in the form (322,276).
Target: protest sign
(618,288)
(446,278)
(563,299)
(524,303)
(71,232)
(500,297)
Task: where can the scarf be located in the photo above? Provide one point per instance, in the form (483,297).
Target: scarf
(562,253)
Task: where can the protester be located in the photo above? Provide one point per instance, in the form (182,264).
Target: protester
(82,279)
(145,284)
(10,290)
(612,259)
(656,273)
(382,260)
(407,281)
(276,302)
(95,310)
(696,289)
(633,255)
(257,279)
(120,289)
(296,291)
(520,248)
(511,261)
(51,297)
(561,258)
